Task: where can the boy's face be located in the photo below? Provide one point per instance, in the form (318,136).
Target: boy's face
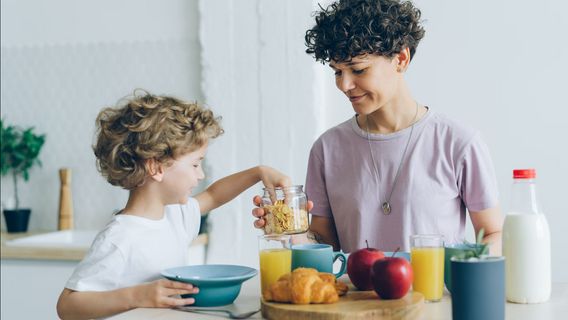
(183,175)
(369,81)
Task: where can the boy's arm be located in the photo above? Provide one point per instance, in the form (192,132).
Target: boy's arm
(226,189)
(98,304)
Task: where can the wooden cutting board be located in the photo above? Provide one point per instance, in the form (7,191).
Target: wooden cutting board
(353,306)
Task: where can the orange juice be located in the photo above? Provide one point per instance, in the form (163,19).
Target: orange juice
(428,268)
(273,264)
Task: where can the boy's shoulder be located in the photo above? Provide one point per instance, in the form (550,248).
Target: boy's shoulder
(114,232)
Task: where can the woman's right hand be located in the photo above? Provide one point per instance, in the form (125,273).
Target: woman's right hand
(258,212)
(163,294)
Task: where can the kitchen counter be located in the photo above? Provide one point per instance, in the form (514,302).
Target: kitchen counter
(36,252)
(52,252)
(249,299)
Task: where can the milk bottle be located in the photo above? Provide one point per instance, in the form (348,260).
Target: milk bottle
(526,243)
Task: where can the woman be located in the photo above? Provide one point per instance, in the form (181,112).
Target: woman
(397,167)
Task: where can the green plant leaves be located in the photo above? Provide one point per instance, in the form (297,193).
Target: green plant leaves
(20,150)
(478,250)
(480,236)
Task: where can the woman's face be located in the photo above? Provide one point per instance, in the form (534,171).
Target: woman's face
(369,81)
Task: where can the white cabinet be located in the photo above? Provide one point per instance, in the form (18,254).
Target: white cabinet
(30,288)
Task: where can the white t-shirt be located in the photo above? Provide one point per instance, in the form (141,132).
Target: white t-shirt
(132,250)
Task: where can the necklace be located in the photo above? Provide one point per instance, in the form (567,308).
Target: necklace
(386,205)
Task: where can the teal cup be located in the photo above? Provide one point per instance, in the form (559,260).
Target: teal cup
(318,256)
(478,289)
(450,251)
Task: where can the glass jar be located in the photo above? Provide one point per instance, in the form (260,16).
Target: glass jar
(286,210)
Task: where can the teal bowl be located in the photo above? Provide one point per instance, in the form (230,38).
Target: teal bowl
(399,254)
(219,284)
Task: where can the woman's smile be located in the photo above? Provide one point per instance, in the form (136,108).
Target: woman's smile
(356,98)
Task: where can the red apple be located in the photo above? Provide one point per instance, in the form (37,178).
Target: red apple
(392,277)
(359,266)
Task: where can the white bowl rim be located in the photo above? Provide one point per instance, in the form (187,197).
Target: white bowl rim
(172,274)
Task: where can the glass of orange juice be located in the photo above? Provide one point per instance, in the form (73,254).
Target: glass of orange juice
(427,259)
(275,258)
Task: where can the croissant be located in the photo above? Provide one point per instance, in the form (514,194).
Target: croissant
(340,287)
(304,286)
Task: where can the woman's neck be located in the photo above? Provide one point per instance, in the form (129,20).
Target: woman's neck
(394,115)
(397,114)
(143,202)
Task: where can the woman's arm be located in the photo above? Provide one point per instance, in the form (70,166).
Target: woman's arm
(492,223)
(322,230)
(96,304)
(226,189)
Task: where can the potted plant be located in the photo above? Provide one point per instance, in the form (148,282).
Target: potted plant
(478,283)
(19,153)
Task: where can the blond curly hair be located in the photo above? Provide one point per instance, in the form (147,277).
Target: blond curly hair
(147,127)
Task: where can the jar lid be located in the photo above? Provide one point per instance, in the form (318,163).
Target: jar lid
(524,174)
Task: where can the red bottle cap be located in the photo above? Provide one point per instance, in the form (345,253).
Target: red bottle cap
(524,174)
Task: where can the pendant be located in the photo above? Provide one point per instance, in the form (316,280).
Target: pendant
(386,208)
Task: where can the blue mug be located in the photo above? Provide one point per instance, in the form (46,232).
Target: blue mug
(318,256)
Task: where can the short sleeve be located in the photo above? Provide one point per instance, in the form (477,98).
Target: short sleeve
(191,214)
(100,270)
(476,178)
(315,183)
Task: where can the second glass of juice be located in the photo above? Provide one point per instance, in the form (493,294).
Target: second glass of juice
(275,258)
(427,259)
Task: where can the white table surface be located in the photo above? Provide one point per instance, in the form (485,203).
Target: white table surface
(249,299)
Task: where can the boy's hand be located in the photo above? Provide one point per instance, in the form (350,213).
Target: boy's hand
(162,294)
(273,178)
(259,212)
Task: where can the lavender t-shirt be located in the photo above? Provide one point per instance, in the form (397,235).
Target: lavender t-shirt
(447,169)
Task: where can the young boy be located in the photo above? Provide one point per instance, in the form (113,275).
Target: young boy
(152,146)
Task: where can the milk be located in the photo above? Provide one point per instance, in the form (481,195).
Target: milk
(526,247)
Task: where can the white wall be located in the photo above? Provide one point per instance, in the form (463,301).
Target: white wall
(498,66)
(62,61)
(256,75)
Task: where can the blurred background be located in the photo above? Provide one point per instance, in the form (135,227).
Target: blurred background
(498,66)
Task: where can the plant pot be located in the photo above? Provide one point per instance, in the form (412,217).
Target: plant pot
(452,250)
(17,220)
(478,289)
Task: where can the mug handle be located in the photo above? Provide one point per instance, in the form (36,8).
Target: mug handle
(343,259)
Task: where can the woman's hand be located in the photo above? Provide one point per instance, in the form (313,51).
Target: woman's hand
(259,212)
(162,294)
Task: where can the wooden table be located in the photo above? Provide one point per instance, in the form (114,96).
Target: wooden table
(249,299)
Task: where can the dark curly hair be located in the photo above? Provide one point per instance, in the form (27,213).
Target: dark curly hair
(349,28)
(146,127)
